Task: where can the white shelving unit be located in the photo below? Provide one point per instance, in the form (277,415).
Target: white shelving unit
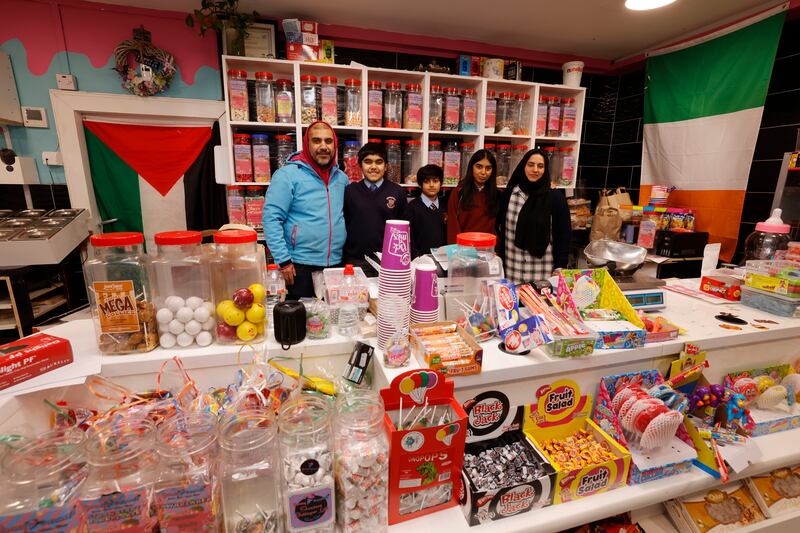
(293,70)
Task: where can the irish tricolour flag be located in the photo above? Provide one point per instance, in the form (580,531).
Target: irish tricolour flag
(702,110)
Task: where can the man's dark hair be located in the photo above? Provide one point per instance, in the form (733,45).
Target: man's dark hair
(371,149)
(430,172)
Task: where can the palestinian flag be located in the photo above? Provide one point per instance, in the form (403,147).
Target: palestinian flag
(154,178)
(702,111)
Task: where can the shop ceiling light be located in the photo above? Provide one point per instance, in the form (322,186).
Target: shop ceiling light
(644,5)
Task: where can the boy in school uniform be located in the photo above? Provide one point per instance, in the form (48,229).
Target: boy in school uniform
(368,204)
(426,214)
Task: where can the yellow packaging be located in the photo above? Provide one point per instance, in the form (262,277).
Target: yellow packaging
(560,412)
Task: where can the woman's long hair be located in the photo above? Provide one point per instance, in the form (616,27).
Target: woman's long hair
(518,176)
(469,189)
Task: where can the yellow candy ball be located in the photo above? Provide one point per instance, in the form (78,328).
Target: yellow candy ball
(259,292)
(246,331)
(223,306)
(256,313)
(260,327)
(233,316)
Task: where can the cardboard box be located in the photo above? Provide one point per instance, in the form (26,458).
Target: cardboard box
(777,492)
(469,65)
(493,422)
(617,334)
(761,421)
(299,26)
(722,286)
(560,412)
(424,460)
(32,356)
(725,508)
(512,70)
(301,52)
(470,364)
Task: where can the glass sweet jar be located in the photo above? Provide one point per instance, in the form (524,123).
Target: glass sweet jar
(770,236)
(120,294)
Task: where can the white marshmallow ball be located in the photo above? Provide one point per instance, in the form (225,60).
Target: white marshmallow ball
(203,338)
(175,327)
(184,339)
(193,302)
(167,340)
(174,303)
(209,324)
(164,315)
(184,314)
(192,327)
(201,314)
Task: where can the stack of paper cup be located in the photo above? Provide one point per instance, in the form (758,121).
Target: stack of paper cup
(394,281)
(425,302)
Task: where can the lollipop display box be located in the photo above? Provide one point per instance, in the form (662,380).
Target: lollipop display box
(437,355)
(427,428)
(504,474)
(786,413)
(561,413)
(677,454)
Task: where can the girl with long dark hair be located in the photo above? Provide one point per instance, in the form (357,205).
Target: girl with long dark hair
(533,225)
(473,205)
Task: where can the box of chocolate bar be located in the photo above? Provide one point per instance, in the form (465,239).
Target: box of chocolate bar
(32,356)
(503,474)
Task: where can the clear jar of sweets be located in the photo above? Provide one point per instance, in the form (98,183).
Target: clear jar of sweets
(308,99)
(352,109)
(265,97)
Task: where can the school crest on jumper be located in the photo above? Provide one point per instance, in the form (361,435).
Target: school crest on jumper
(391,201)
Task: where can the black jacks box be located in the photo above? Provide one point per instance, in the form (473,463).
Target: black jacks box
(503,475)
(32,356)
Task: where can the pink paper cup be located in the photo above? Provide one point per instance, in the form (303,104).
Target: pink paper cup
(426,289)
(396,253)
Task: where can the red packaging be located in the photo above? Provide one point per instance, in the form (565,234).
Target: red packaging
(301,52)
(722,286)
(32,356)
(425,460)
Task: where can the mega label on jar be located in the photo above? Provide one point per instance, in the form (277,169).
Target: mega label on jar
(117,511)
(254,205)
(116,306)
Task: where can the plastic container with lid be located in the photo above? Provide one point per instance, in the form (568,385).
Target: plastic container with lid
(490,114)
(467,149)
(309,102)
(307,448)
(436,109)
(503,159)
(284,148)
(569,117)
(329,100)
(350,161)
(779,277)
(237,282)
(523,120)
(393,160)
(567,178)
(118,274)
(393,106)
(375,105)
(469,110)
(518,151)
(554,117)
(556,160)
(452,109)
(352,98)
(435,153)
(182,283)
(187,489)
(284,101)
(770,302)
(412,108)
(123,464)
(412,160)
(472,262)
(506,116)
(490,147)
(237,95)
(250,471)
(45,472)
(451,164)
(261,169)
(254,205)
(548,152)
(362,463)
(265,97)
(770,236)
(235,201)
(541,116)
(242,157)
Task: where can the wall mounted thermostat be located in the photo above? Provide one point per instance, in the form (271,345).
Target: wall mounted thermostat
(34,117)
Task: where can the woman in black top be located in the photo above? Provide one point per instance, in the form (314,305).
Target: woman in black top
(533,224)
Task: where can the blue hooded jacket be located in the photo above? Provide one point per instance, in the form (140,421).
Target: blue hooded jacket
(303,218)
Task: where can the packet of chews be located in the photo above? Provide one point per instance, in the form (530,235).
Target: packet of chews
(506,303)
(531,331)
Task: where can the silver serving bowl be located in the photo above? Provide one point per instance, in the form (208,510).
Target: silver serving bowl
(34,234)
(620,258)
(64,213)
(4,213)
(52,222)
(16,223)
(31,213)
(6,234)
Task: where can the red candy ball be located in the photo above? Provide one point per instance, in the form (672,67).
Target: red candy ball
(225,332)
(243,298)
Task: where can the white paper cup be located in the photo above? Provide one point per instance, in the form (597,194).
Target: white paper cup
(572,73)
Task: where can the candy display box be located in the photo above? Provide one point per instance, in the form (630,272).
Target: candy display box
(504,474)
(465,365)
(777,492)
(725,508)
(570,345)
(675,458)
(765,421)
(779,277)
(427,428)
(561,412)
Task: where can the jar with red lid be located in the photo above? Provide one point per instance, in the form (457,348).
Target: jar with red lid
(569,117)
(412,110)
(237,282)
(554,117)
(118,280)
(505,113)
(393,160)
(284,147)
(237,95)
(352,107)
(235,201)
(350,161)
(503,160)
(567,167)
(412,160)
(392,106)
(436,111)
(308,99)
(435,153)
(374,105)
(517,153)
(284,101)
(467,149)
(329,102)
(265,97)
(490,147)
(452,109)
(469,110)
(375,140)
(261,168)
(242,157)
(182,282)
(541,116)
(523,121)
(254,205)
(490,114)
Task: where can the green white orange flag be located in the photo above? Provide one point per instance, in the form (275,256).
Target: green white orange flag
(702,111)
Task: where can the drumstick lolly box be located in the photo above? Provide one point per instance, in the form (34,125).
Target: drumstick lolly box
(427,429)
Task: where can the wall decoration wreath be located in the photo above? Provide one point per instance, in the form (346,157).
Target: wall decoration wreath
(145,69)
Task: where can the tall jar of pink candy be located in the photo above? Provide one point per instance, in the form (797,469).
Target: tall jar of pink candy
(362,463)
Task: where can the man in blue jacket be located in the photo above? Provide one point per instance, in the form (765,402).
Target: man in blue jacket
(303,213)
